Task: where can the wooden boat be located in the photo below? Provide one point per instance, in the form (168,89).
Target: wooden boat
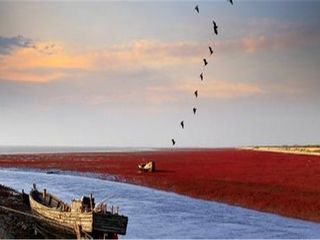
(59,220)
(147,167)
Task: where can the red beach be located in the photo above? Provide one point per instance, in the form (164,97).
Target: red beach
(285,184)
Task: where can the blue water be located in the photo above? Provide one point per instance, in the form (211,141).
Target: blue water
(159,214)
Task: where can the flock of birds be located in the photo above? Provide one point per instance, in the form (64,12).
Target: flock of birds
(215,30)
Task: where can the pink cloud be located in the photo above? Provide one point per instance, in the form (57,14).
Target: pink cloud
(26,64)
(269,34)
(253,44)
(226,89)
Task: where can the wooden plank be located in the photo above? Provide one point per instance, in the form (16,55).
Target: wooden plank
(110,223)
(89,221)
(68,219)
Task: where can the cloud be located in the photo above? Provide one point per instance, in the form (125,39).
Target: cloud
(281,42)
(252,44)
(32,75)
(39,62)
(36,61)
(27,64)
(164,94)
(269,34)
(214,89)
(227,89)
(47,48)
(9,44)
(146,53)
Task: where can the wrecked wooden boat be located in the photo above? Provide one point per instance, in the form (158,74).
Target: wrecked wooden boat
(147,167)
(80,220)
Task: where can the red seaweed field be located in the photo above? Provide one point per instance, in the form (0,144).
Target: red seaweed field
(281,183)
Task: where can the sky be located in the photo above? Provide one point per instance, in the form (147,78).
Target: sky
(123,73)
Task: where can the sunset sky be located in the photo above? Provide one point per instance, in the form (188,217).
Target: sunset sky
(123,73)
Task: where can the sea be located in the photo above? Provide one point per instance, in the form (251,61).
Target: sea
(64,149)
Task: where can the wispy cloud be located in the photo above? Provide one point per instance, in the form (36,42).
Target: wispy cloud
(9,44)
(270,34)
(146,53)
(12,44)
(214,89)
(38,62)
(253,44)
(24,59)
(226,89)
(27,64)
(164,94)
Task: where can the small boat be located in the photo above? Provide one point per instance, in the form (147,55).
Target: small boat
(80,220)
(147,167)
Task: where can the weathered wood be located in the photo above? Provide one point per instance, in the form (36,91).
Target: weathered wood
(67,219)
(147,167)
(44,195)
(61,215)
(91,206)
(113,223)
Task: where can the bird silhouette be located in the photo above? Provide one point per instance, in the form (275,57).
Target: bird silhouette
(173,142)
(231,1)
(201,76)
(205,61)
(210,49)
(194,110)
(182,124)
(215,27)
(196,93)
(197,8)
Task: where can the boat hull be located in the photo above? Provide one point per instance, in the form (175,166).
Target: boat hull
(58,220)
(51,230)
(67,220)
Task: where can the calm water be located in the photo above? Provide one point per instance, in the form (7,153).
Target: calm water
(159,214)
(41,149)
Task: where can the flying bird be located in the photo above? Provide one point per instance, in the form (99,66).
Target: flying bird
(197,9)
(205,61)
(173,142)
(215,27)
(194,110)
(210,49)
(231,1)
(196,93)
(182,124)
(201,76)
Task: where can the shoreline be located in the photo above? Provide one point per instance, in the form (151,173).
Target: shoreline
(265,181)
(280,150)
(18,150)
